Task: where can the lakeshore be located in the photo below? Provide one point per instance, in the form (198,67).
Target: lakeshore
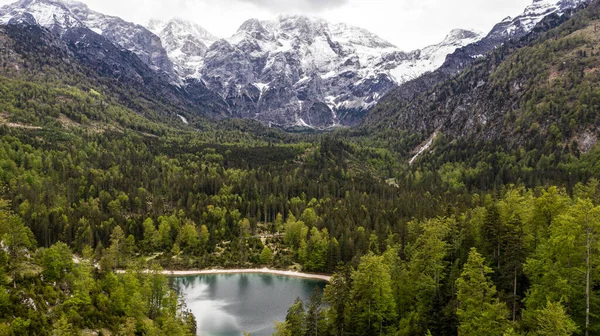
(249,271)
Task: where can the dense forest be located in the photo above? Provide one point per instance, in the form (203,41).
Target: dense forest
(523,262)
(103,186)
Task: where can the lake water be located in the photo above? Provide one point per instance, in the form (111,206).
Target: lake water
(228,304)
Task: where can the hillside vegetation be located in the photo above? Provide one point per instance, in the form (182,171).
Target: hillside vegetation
(493,231)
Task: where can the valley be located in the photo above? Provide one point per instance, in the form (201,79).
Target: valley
(159,180)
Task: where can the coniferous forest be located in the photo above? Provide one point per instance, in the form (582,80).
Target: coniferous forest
(494,230)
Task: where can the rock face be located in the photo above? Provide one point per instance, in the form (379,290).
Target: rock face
(63,16)
(509,29)
(499,96)
(292,71)
(301,71)
(540,16)
(432,57)
(112,65)
(186,44)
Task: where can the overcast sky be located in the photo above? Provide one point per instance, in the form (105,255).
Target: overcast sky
(409,24)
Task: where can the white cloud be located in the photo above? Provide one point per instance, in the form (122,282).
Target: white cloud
(409,24)
(303,5)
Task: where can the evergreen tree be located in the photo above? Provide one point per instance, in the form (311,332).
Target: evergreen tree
(479,310)
(551,320)
(314,320)
(371,307)
(295,319)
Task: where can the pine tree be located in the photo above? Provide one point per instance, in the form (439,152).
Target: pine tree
(313,314)
(551,320)
(295,319)
(479,310)
(371,306)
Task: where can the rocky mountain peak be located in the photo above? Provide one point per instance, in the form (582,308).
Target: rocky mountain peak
(185,42)
(62,16)
(293,70)
(461,34)
(181,27)
(255,29)
(23,18)
(533,14)
(300,70)
(52,14)
(301,25)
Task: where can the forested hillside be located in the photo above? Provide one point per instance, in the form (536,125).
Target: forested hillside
(526,91)
(493,231)
(517,131)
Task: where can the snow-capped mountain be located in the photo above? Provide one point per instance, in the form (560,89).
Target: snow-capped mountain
(186,44)
(531,16)
(62,16)
(432,57)
(540,15)
(54,15)
(294,70)
(453,58)
(303,71)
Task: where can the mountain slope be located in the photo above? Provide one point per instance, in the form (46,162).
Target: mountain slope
(309,72)
(432,57)
(62,16)
(293,71)
(541,15)
(540,90)
(186,44)
(84,60)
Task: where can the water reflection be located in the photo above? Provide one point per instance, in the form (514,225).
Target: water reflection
(227,304)
(243,285)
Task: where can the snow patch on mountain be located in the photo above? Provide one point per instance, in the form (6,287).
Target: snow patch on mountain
(532,15)
(48,13)
(294,70)
(186,44)
(183,119)
(317,72)
(62,16)
(432,57)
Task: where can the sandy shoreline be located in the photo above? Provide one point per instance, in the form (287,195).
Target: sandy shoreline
(250,271)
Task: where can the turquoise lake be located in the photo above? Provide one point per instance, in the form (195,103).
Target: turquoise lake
(229,304)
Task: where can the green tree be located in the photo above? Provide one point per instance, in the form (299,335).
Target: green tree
(204,238)
(151,240)
(313,253)
(417,282)
(83,284)
(552,320)
(337,294)
(295,319)
(5,304)
(18,240)
(295,232)
(266,256)
(57,261)
(371,307)
(561,267)
(314,319)
(116,255)
(282,329)
(62,327)
(188,239)
(479,310)
(165,232)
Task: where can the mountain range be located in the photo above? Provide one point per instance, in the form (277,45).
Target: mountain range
(535,93)
(291,71)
